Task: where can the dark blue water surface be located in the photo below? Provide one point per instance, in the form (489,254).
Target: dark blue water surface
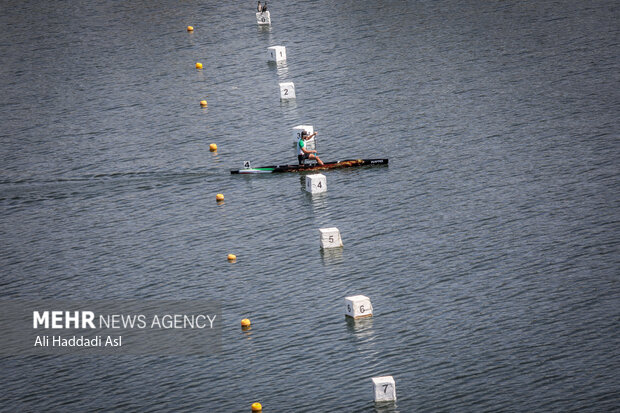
(489,247)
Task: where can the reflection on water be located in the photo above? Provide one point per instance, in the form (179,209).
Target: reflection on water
(360,327)
(319,206)
(216,157)
(200,75)
(281,70)
(361,330)
(320,209)
(288,105)
(264,29)
(331,256)
(386,407)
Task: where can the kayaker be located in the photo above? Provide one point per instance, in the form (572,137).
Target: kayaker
(303,153)
(259,7)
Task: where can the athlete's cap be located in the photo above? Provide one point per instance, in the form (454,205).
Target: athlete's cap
(304,133)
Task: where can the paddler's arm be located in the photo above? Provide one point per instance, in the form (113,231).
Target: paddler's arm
(304,148)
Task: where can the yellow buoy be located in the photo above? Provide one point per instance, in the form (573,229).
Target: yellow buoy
(245,322)
(190,28)
(232,257)
(213,147)
(203,103)
(219,197)
(256,407)
(198,65)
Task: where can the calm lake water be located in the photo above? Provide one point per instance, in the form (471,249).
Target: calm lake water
(489,247)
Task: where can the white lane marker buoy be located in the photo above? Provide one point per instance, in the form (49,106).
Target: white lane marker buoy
(277,53)
(384,389)
(315,184)
(357,306)
(263,18)
(287,90)
(330,237)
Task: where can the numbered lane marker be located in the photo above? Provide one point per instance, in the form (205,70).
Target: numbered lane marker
(287,90)
(357,306)
(316,184)
(330,238)
(263,17)
(384,389)
(277,53)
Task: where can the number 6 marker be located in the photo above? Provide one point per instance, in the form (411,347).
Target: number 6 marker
(357,306)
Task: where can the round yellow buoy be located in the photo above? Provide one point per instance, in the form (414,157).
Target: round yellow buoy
(213,147)
(190,28)
(203,103)
(245,322)
(256,407)
(232,257)
(219,197)
(198,65)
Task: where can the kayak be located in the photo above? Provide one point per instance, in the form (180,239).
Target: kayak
(312,167)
